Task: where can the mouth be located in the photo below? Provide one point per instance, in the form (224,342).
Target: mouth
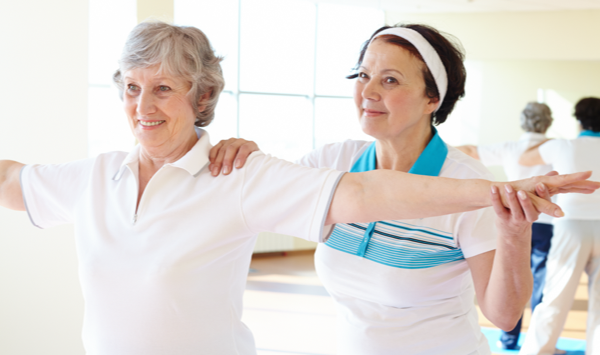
(151,123)
(369,112)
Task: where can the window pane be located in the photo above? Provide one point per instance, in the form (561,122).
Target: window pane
(110,22)
(336,120)
(341,32)
(281,125)
(277,46)
(219,22)
(224,125)
(108,128)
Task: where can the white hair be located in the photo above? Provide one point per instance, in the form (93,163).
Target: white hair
(179,51)
(536,117)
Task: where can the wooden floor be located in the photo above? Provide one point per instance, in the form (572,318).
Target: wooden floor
(290,313)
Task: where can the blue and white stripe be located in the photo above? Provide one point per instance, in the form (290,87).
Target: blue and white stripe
(397,243)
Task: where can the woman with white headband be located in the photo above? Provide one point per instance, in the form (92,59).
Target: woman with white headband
(407,286)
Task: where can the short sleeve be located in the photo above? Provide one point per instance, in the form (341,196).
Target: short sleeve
(281,197)
(491,155)
(550,150)
(51,192)
(477,232)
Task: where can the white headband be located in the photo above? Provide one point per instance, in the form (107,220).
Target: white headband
(432,59)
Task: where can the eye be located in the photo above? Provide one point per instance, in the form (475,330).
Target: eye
(390,80)
(362,75)
(163,88)
(132,87)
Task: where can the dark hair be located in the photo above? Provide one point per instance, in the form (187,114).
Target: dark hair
(587,112)
(451,55)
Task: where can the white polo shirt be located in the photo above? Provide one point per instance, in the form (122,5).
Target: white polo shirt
(574,155)
(169,279)
(404,286)
(507,155)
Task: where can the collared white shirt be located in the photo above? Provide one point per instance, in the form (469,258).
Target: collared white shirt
(507,155)
(169,278)
(407,289)
(570,156)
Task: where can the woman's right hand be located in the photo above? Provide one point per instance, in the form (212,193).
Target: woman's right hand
(223,155)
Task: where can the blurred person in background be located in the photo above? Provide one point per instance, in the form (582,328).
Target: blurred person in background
(576,242)
(535,119)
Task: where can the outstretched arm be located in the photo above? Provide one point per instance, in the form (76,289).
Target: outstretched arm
(10,187)
(532,156)
(470,150)
(385,194)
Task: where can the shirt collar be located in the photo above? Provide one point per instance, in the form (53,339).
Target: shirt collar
(529,135)
(429,163)
(589,133)
(192,162)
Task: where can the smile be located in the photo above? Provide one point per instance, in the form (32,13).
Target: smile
(150,124)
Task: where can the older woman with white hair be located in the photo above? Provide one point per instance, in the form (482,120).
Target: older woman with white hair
(164,247)
(535,120)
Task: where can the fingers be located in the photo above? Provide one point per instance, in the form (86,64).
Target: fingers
(499,208)
(542,191)
(513,204)
(552,173)
(223,155)
(545,206)
(245,150)
(531,214)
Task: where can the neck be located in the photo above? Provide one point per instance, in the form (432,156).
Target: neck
(400,153)
(152,158)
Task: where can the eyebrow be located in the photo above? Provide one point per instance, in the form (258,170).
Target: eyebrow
(384,71)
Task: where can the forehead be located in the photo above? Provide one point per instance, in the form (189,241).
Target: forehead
(152,73)
(384,55)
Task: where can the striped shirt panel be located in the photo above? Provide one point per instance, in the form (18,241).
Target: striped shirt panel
(397,244)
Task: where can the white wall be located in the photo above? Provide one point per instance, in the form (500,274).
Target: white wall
(511,56)
(43,96)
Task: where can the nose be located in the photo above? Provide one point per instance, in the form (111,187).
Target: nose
(370,91)
(145,104)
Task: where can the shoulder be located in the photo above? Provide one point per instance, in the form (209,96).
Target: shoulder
(340,155)
(461,166)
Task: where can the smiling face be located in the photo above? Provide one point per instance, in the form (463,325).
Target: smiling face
(389,92)
(160,114)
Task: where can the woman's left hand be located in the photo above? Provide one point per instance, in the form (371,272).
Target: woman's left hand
(223,155)
(515,221)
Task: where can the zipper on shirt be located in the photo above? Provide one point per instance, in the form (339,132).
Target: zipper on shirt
(134,219)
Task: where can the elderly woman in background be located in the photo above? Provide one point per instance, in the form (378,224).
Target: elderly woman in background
(576,241)
(536,118)
(164,248)
(400,283)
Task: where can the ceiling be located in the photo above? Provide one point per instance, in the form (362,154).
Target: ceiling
(473,5)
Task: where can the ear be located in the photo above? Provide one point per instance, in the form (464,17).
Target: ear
(432,105)
(202,100)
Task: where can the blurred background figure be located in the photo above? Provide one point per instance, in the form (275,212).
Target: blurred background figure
(536,118)
(576,244)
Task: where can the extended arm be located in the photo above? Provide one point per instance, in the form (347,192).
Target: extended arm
(532,156)
(10,187)
(470,150)
(385,194)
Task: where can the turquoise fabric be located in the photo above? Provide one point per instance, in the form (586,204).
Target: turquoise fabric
(589,134)
(432,247)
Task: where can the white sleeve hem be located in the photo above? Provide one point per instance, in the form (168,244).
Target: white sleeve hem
(317,229)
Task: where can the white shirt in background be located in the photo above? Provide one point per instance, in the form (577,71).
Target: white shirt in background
(570,156)
(507,155)
(169,278)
